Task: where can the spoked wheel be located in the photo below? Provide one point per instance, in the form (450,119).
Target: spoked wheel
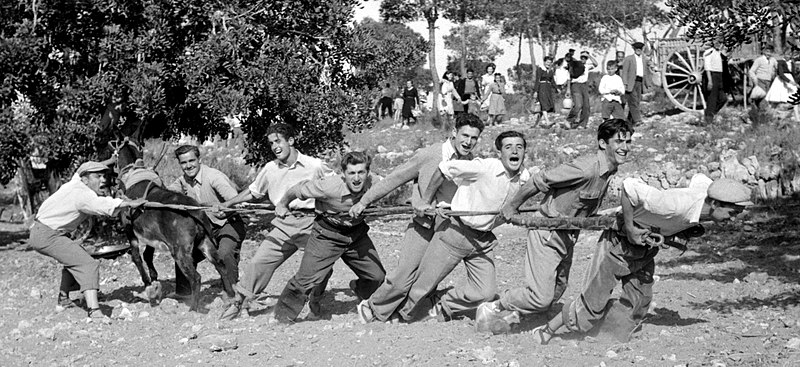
(682,79)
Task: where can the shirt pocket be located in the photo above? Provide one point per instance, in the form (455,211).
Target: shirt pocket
(588,201)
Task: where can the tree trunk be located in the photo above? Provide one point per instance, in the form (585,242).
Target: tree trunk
(530,49)
(431,18)
(519,55)
(24,192)
(463,48)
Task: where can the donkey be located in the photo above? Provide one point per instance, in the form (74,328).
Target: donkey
(186,234)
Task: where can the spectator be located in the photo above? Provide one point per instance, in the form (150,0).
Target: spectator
(579,73)
(544,88)
(611,89)
(410,104)
(761,73)
(715,95)
(488,78)
(467,87)
(784,84)
(386,101)
(497,105)
(636,76)
(620,59)
(450,97)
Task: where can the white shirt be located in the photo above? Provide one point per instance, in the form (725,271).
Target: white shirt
(276,178)
(487,79)
(448,94)
(608,84)
(639,66)
(669,211)
(483,185)
(712,60)
(72,204)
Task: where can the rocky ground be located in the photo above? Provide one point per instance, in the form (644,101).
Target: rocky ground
(730,300)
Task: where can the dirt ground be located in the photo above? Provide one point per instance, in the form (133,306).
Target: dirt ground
(731,300)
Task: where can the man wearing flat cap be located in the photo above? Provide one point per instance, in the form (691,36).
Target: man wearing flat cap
(626,255)
(636,77)
(60,215)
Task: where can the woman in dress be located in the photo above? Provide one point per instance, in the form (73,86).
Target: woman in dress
(497,104)
(457,105)
(545,88)
(410,103)
(784,84)
(450,98)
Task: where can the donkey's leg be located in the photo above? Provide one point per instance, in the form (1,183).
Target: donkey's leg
(186,264)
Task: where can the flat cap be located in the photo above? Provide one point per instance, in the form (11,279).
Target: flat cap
(90,167)
(638,45)
(730,191)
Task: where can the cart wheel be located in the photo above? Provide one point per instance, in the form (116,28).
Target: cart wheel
(682,79)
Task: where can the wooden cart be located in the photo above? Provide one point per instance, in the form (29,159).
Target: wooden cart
(680,63)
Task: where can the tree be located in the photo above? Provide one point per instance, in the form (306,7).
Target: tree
(478,45)
(75,74)
(739,21)
(398,51)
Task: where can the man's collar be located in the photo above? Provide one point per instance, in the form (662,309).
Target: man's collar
(449,152)
(198,178)
(602,160)
(301,160)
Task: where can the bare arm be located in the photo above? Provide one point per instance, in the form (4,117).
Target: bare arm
(525,192)
(243,196)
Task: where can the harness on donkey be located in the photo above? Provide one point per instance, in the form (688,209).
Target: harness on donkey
(186,234)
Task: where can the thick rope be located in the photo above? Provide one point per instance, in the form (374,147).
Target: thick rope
(536,222)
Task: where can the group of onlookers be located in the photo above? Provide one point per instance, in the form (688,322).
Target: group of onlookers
(773,80)
(470,95)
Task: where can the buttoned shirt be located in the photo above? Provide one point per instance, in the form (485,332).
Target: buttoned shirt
(712,60)
(208,187)
(72,204)
(639,66)
(333,198)
(276,178)
(483,185)
(608,84)
(667,211)
(574,189)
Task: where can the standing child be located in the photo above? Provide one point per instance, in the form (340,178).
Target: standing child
(611,89)
(398,108)
(474,104)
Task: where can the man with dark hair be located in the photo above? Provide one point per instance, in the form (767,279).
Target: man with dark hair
(61,214)
(636,77)
(467,87)
(573,189)
(483,185)
(289,233)
(620,59)
(713,80)
(419,169)
(623,255)
(386,101)
(579,73)
(209,187)
(333,236)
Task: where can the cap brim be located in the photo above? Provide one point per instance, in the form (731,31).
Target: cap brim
(745,203)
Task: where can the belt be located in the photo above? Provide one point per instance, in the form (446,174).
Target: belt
(639,79)
(460,223)
(329,225)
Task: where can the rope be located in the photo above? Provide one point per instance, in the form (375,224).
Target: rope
(369,212)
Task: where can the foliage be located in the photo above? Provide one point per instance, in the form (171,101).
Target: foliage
(477,42)
(738,21)
(398,51)
(93,71)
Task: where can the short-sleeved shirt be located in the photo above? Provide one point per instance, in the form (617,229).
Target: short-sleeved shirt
(483,185)
(333,198)
(712,60)
(208,187)
(72,204)
(667,211)
(574,189)
(276,178)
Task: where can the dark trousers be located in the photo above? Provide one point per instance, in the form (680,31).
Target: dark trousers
(715,98)
(326,245)
(580,105)
(633,98)
(229,238)
(386,105)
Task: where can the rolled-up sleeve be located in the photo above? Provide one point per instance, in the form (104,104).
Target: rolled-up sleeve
(462,170)
(259,186)
(326,187)
(98,205)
